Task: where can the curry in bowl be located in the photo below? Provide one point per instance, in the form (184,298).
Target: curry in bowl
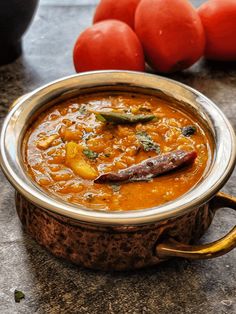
(85,151)
(117,151)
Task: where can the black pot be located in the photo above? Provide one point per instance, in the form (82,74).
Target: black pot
(15,17)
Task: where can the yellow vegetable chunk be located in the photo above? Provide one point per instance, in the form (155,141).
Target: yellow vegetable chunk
(83,169)
(76,162)
(72,150)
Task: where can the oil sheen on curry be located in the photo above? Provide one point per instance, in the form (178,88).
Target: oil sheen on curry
(116,151)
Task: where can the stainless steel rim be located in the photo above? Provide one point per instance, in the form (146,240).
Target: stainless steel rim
(16,122)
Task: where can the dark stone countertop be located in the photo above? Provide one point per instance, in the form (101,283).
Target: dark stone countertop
(53,286)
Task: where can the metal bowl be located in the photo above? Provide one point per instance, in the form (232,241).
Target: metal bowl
(124,239)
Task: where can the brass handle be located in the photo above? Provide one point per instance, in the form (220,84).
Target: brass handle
(172,248)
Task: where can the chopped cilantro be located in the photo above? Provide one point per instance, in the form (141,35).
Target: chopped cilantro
(90,154)
(147,143)
(18,295)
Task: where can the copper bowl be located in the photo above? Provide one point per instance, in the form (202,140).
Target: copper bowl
(123,239)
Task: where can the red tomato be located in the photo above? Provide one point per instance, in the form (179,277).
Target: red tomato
(108,45)
(171,33)
(219,21)
(122,10)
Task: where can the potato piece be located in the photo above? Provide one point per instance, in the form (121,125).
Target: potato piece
(76,162)
(72,150)
(83,169)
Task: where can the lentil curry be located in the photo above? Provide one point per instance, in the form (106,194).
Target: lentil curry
(116,151)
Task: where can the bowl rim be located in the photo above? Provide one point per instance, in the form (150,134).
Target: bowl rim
(221,170)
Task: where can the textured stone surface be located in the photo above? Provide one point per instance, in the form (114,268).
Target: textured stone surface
(53,286)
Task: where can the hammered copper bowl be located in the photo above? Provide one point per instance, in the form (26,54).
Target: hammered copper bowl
(123,239)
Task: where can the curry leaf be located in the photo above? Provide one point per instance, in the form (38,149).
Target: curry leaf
(147,143)
(90,154)
(124,118)
(18,295)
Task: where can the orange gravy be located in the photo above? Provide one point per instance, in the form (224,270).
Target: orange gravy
(73,127)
